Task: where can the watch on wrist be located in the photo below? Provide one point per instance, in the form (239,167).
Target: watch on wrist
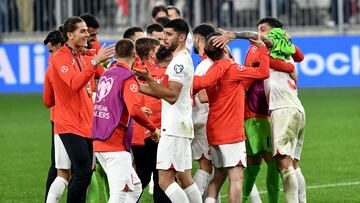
(94,63)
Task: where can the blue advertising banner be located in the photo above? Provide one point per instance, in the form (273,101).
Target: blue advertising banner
(329,62)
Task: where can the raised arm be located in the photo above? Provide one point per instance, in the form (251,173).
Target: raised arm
(215,72)
(228,36)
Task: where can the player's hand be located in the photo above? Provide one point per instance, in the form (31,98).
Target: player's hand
(105,53)
(224,38)
(146,110)
(155,135)
(143,74)
(257,42)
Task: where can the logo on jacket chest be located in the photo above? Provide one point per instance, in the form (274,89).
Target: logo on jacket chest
(104,87)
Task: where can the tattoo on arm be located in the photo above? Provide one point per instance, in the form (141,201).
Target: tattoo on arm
(246,35)
(254,35)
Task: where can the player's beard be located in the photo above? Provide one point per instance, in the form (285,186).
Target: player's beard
(173,46)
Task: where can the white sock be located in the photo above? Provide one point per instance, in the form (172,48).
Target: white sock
(210,200)
(133,196)
(201,178)
(290,185)
(302,185)
(193,193)
(176,194)
(56,189)
(254,195)
(151,185)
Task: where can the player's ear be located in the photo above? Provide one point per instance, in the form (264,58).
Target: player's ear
(183,37)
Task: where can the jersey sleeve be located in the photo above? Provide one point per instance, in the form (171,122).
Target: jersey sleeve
(281,65)
(65,68)
(178,72)
(133,103)
(298,56)
(48,94)
(215,72)
(240,72)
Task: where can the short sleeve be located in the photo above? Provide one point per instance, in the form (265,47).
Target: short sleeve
(178,72)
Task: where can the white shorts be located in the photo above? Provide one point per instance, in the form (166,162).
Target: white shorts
(200,147)
(288,130)
(228,155)
(119,171)
(174,153)
(62,160)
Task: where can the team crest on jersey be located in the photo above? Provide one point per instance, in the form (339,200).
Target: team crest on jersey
(104,87)
(241,68)
(178,68)
(64,69)
(133,88)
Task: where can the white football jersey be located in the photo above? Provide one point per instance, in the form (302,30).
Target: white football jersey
(176,119)
(281,91)
(201,110)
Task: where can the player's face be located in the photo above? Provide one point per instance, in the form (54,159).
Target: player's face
(171,40)
(159,35)
(53,48)
(264,28)
(92,38)
(197,42)
(153,52)
(80,36)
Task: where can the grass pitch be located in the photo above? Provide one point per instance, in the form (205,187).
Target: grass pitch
(330,159)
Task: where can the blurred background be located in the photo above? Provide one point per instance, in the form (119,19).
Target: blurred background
(305,16)
(326,30)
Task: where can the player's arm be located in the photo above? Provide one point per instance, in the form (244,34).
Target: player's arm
(48,94)
(202,95)
(133,103)
(169,93)
(298,56)
(281,65)
(73,79)
(228,36)
(240,72)
(99,70)
(215,72)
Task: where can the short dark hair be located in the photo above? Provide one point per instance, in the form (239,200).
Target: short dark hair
(176,9)
(130,32)
(163,54)
(163,20)
(213,52)
(144,45)
(90,20)
(155,27)
(124,48)
(179,25)
(54,37)
(158,9)
(273,22)
(204,30)
(69,25)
